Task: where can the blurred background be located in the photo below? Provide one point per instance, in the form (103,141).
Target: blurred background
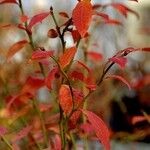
(113,101)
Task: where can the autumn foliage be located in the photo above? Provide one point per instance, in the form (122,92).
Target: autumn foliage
(60,122)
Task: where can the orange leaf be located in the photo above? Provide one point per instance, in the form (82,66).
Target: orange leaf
(65,98)
(36,19)
(15,48)
(100,128)
(121,79)
(82,15)
(66,58)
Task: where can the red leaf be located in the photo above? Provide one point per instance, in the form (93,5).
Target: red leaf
(104,16)
(121,79)
(82,15)
(63,14)
(52,33)
(121,61)
(124,9)
(3,131)
(75,75)
(134,0)
(36,19)
(100,128)
(23,133)
(75,35)
(39,54)
(95,56)
(23,18)
(15,48)
(50,77)
(66,58)
(8,1)
(146,49)
(32,84)
(65,98)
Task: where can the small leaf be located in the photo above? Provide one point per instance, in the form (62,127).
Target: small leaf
(23,133)
(113,21)
(94,55)
(63,14)
(36,19)
(137,119)
(39,54)
(50,78)
(121,61)
(134,0)
(121,79)
(66,58)
(24,18)
(3,131)
(82,15)
(52,33)
(100,128)
(57,142)
(124,9)
(65,98)
(15,48)
(8,1)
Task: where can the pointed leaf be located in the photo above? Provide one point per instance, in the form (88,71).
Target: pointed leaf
(15,48)
(36,19)
(121,79)
(82,15)
(84,66)
(75,35)
(66,58)
(121,61)
(100,128)
(65,98)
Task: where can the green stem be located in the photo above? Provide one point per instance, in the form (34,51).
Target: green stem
(7,143)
